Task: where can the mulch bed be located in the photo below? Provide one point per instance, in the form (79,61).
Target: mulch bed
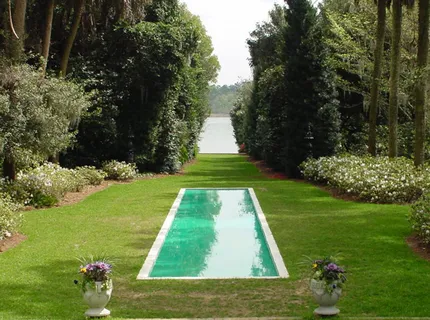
(75,197)
(11,242)
(418,247)
(267,171)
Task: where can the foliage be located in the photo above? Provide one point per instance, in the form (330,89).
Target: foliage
(10,217)
(350,34)
(91,175)
(148,65)
(238,113)
(380,179)
(119,170)
(328,271)
(36,113)
(313,121)
(293,111)
(263,104)
(419,217)
(222,98)
(47,184)
(152,96)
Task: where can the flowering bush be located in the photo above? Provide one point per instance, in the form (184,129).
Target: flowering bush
(10,217)
(328,271)
(117,170)
(47,184)
(419,216)
(91,175)
(379,179)
(99,270)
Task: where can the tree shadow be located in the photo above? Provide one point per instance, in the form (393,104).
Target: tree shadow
(52,296)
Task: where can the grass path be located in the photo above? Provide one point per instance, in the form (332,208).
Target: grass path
(385,277)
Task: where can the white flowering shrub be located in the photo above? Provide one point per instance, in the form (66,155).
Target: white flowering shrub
(117,170)
(91,175)
(419,217)
(10,216)
(47,184)
(374,179)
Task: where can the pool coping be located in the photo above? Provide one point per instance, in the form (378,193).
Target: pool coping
(150,260)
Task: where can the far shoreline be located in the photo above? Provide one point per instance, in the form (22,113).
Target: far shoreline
(219,115)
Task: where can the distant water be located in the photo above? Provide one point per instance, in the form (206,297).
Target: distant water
(217,136)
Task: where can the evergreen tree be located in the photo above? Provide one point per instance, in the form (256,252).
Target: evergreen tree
(264,117)
(312,116)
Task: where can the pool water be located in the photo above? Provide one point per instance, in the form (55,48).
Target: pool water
(215,233)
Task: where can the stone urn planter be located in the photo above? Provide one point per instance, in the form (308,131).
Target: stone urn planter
(97,296)
(325,299)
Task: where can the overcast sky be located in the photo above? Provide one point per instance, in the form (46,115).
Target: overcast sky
(228,23)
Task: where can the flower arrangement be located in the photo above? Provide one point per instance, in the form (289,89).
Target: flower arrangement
(328,271)
(96,286)
(97,271)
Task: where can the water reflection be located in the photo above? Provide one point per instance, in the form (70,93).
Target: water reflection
(191,236)
(215,234)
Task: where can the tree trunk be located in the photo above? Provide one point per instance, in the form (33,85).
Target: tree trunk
(394,78)
(47,36)
(79,8)
(376,77)
(9,170)
(421,86)
(17,44)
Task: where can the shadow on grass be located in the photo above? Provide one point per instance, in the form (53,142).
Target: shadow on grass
(54,297)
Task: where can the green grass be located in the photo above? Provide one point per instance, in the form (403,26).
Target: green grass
(385,277)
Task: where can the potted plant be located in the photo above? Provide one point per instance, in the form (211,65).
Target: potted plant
(326,285)
(96,286)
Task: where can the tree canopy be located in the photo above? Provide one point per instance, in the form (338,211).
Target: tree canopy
(145,68)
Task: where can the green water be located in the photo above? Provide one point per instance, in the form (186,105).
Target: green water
(216,233)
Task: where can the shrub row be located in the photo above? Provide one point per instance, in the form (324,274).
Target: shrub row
(381,180)
(117,170)
(373,179)
(419,217)
(46,185)
(10,216)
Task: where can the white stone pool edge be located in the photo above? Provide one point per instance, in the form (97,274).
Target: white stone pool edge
(161,237)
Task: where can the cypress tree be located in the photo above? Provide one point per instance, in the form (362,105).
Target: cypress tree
(313,120)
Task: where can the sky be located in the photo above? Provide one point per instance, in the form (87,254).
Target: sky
(228,23)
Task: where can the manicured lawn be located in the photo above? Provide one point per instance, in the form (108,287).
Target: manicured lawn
(385,277)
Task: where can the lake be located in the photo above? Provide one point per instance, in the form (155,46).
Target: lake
(217,136)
